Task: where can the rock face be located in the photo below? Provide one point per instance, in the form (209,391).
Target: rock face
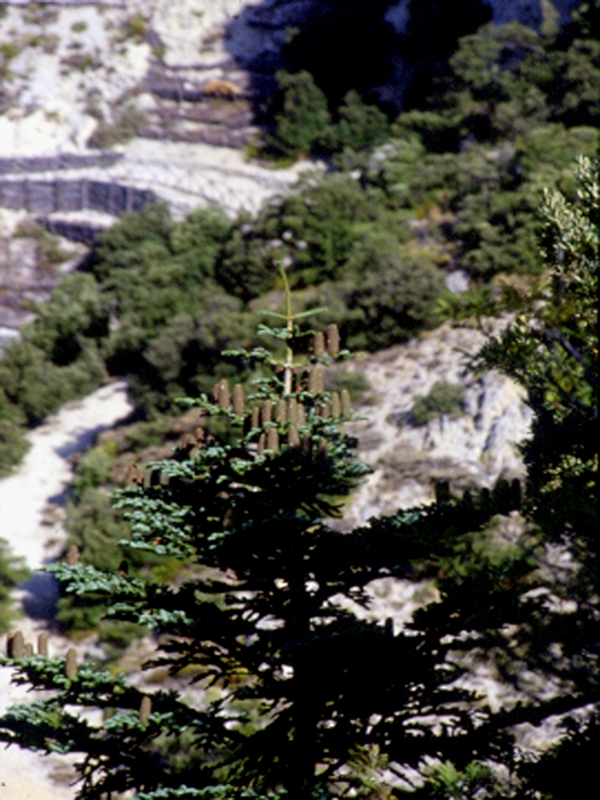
(529,12)
(469,449)
(75,73)
(89,71)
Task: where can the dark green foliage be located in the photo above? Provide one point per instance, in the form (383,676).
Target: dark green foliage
(495,73)
(93,469)
(505,80)
(360,126)
(485,200)
(76,312)
(341,247)
(557,362)
(393,295)
(39,387)
(444,398)
(12,573)
(551,349)
(301,695)
(434,29)
(304,123)
(345,45)
(311,229)
(185,358)
(120,246)
(13,444)
(198,242)
(446,781)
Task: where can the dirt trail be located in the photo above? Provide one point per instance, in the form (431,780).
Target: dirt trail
(41,481)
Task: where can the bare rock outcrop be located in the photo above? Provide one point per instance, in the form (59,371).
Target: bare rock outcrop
(472,448)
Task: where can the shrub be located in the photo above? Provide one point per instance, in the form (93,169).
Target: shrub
(76,313)
(92,470)
(13,444)
(444,398)
(125,124)
(304,123)
(312,230)
(9,50)
(39,387)
(391,292)
(360,126)
(353,381)
(12,572)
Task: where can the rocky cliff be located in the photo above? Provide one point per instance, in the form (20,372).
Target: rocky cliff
(471,447)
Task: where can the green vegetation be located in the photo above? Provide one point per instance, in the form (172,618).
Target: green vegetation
(444,398)
(277,689)
(455,182)
(305,120)
(134,26)
(125,123)
(12,573)
(9,50)
(49,252)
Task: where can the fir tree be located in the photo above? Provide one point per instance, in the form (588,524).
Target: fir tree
(295,695)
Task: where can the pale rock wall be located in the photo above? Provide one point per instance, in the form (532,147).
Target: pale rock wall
(471,449)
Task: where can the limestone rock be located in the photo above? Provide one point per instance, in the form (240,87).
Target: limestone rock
(471,449)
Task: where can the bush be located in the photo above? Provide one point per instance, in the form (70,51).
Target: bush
(13,444)
(185,357)
(312,230)
(92,470)
(39,387)
(198,241)
(392,292)
(304,123)
(360,126)
(444,398)
(353,381)
(12,573)
(77,312)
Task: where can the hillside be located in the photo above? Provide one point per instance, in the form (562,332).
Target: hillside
(150,210)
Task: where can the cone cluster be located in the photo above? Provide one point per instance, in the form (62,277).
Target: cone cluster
(17,647)
(287,415)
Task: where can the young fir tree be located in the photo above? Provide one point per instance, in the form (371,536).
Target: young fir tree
(295,696)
